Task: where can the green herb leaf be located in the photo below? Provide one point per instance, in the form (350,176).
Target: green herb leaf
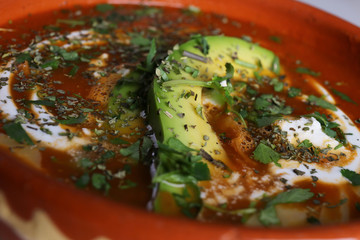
(263,121)
(47,103)
(52,28)
(321,103)
(275,67)
(295,195)
(71,121)
(15,131)
(294,92)
(328,127)
(305,144)
(98,181)
(265,154)
(201,171)
(341,202)
(275,39)
(268,215)
(22,57)
(127,184)
(86,163)
(270,105)
(71,22)
(137,150)
(352,176)
(307,71)
(104,7)
(82,181)
(278,87)
(178,146)
(70,56)
(151,55)
(118,141)
(199,111)
(147,11)
(73,70)
(53,64)
(202,43)
(139,40)
(107,155)
(343,96)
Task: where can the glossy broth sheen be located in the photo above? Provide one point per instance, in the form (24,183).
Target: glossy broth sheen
(121,178)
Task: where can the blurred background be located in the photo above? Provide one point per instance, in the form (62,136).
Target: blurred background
(348,10)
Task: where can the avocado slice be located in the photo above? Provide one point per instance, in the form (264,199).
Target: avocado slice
(176,110)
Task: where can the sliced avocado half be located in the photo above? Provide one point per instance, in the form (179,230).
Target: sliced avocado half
(176,111)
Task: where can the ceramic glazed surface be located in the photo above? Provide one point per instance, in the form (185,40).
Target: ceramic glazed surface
(26,191)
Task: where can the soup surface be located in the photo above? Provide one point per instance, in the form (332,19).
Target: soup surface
(78,102)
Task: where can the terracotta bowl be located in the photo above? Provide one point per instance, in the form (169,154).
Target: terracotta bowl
(31,199)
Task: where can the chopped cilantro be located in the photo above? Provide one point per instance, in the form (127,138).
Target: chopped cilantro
(305,144)
(352,176)
(22,57)
(341,202)
(71,121)
(321,103)
(71,22)
(73,70)
(82,181)
(105,7)
(52,28)
(147,11)
(139,40)
(86,163)
(201,171)
(127,184)
(53,64)
(263,121)
(191,70)
(102,26)
(338,146)
(307,71)
(268,103)
(99,181)
(188,208)
(275,39)
(275,67)
(294,92)
(268,215)
(266,154)
(47,103)
(118,141)
(343,96)
(70,56)
(107,155)
(149,63)
(15,131)
(202,44)
(199,109)
(137,150)
(326,125)
(278,85)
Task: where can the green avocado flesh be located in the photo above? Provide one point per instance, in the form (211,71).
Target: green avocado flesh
(176,111)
